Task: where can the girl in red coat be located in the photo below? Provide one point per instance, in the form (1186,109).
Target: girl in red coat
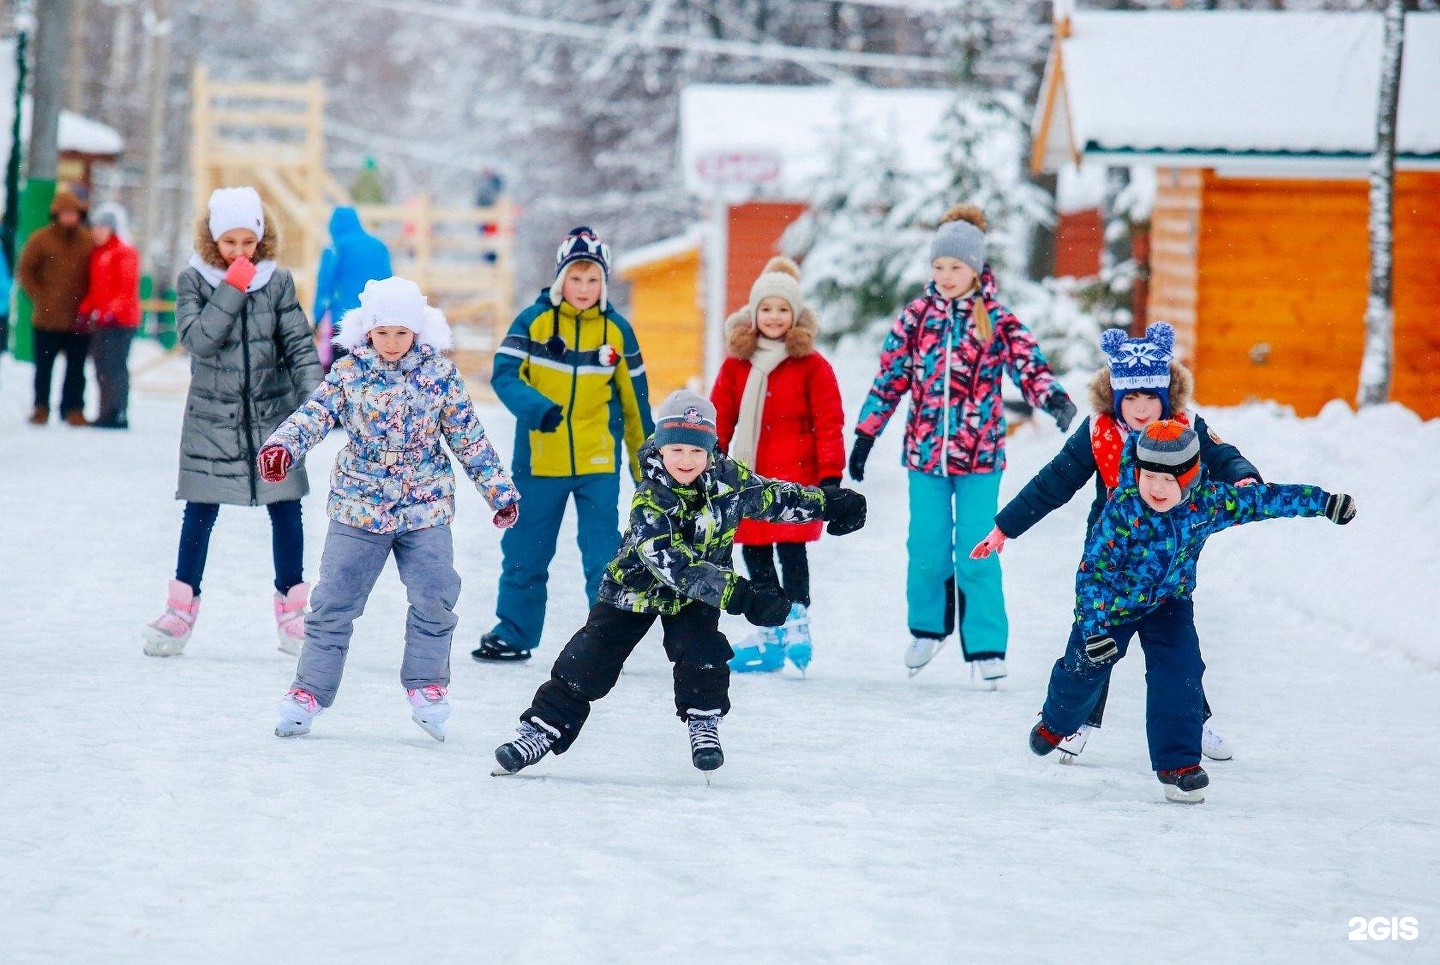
(778,411)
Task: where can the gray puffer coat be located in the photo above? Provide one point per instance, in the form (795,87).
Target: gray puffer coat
(252,362)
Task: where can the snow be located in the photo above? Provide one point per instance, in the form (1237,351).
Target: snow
(76,132)
(663,250)
(1080,188)
(1168,83)
(799,126)
(151,816)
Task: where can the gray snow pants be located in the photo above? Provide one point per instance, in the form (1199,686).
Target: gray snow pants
(350,566)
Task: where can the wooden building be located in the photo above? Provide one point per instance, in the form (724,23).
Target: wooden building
(666,309)
(1260,127)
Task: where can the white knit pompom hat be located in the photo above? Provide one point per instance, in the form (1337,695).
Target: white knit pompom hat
(394,301)
(236,208)
(780,279)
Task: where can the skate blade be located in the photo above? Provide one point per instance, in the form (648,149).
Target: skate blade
(1066,757)
(1173,793)
(288,648)
(501,772)
(291,733)
(436,731)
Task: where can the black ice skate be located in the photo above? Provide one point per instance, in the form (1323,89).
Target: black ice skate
(1185,785)
(705,752)
(1043,740)
(533,741)
(493,649)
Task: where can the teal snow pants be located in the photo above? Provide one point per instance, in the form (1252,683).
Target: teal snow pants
(948,516)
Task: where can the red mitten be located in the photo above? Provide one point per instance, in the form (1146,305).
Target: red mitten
(994,543)
(274,463)
(505,518)
(241,273)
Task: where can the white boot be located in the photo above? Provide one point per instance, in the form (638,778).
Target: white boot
(921,651)
(1213,746)
(290,611)
(430,709)
(297,709)
(992,670)
(1074,744)
(167,634)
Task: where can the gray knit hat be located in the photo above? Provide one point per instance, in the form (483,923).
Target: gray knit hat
(961,240)
(1170,447)
(685,419)
(106,219)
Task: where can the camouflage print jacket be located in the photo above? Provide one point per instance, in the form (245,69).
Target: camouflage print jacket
(678,544)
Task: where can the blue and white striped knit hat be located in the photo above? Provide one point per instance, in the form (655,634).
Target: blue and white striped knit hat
(581,244)
(1140,364)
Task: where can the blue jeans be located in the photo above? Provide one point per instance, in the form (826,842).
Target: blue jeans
(529,546)
(349,568)
(948,516)
(1174,695)
(287,543)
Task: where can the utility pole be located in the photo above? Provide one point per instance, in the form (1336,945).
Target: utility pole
(157,25)
(52,38)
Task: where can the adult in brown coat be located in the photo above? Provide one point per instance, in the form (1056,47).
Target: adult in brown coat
(54,271)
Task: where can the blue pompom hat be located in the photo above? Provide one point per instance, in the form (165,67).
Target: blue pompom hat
(1140,364)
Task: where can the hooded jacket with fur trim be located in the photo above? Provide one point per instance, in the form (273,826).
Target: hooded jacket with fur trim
(53,269)
(802,431)
(1078,461)
(252,359)
(393,476)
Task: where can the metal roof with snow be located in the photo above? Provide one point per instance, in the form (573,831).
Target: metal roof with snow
(1246,90)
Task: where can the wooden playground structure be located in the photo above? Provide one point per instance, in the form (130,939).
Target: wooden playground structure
(272,136)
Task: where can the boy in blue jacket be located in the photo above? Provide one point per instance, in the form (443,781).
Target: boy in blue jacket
(1137,576)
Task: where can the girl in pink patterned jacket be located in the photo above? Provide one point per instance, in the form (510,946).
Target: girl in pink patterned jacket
(948,351)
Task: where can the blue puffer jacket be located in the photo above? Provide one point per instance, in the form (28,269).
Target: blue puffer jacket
(1137,558)
(1065,475)
(353,258)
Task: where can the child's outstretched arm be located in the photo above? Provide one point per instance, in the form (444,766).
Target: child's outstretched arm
(785,502)
(1053,486)
(1237,505)
(1032,374)
(304,429)
(466,438)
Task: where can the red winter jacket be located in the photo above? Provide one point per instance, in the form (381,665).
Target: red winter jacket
(802,427)
(114,293)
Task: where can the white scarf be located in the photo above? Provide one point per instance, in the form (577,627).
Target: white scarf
(769,352)
(263,272)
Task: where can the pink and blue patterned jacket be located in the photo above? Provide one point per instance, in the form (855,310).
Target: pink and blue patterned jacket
(956,424)
(393,476)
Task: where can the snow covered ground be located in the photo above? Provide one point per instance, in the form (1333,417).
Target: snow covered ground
(147,814)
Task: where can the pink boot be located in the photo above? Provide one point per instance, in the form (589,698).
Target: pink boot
(290,618)
(167,635)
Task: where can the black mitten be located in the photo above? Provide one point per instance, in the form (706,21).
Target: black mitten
(858,454)
(551,420)
(1101,648)
(761,606)
(1061,409)
(844,510)
(1339,508)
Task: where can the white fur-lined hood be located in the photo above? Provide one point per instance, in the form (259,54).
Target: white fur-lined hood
(355,325)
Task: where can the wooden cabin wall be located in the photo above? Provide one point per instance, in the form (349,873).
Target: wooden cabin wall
(669,322)
(1174,253)
(754,238)
(1079,243)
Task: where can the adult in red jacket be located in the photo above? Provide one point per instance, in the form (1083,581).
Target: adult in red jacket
(778,411)
(112,306)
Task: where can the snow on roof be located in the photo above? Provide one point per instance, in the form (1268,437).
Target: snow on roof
(794,128)
(1256,85)
(77,132)
(1080,188)
(662,250)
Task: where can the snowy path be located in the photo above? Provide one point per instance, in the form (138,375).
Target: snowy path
(147,814)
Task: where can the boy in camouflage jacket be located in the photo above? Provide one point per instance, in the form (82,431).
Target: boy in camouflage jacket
(675,564)
(1137,577)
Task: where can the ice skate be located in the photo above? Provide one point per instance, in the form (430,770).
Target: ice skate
(762,652)
(167,635)
(1043,740)
(795,637)
(1185,785)
(290,611)
(921,651)
(493,649)
(705,752)
(431,710)
(297,709)
(533,740)
(992,670)
(1213,745)
(1071,746)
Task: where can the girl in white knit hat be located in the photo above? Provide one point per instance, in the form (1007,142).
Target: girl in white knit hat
(252,361)
(779,413)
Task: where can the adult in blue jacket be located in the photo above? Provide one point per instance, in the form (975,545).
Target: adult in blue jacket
(354,257)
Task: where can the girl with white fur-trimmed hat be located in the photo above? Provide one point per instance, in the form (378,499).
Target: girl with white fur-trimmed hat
(252,359)
(392,491)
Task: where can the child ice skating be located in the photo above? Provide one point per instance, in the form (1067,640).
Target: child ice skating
(392,492)
(1137,577)
(674,565)
(570,370)
(948,351)
(1141,383)
(778,412)
(252,360)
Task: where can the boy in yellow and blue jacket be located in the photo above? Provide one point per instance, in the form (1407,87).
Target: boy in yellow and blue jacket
(570,370)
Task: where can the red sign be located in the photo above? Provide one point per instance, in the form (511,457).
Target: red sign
(738,167)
